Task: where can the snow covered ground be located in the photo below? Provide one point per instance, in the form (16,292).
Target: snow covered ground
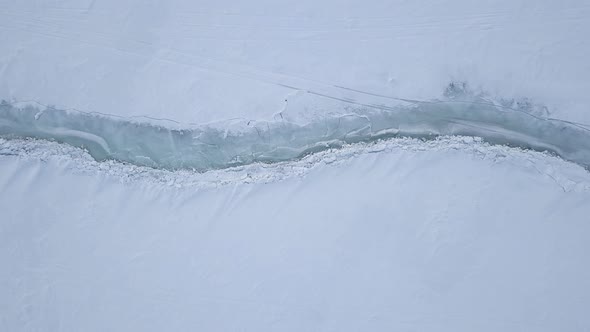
(285,193)
(410,238)
(201,61)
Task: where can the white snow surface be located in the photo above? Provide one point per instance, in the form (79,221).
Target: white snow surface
(202,61)
(404,236)
(400,234)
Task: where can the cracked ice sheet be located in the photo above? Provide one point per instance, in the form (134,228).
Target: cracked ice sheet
(407,238)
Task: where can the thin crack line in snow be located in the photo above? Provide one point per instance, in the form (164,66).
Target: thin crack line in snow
(568,176)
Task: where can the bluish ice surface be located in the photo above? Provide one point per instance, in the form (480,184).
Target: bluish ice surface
(204,147)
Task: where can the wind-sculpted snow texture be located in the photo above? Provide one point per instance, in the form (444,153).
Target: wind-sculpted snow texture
(240,142)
